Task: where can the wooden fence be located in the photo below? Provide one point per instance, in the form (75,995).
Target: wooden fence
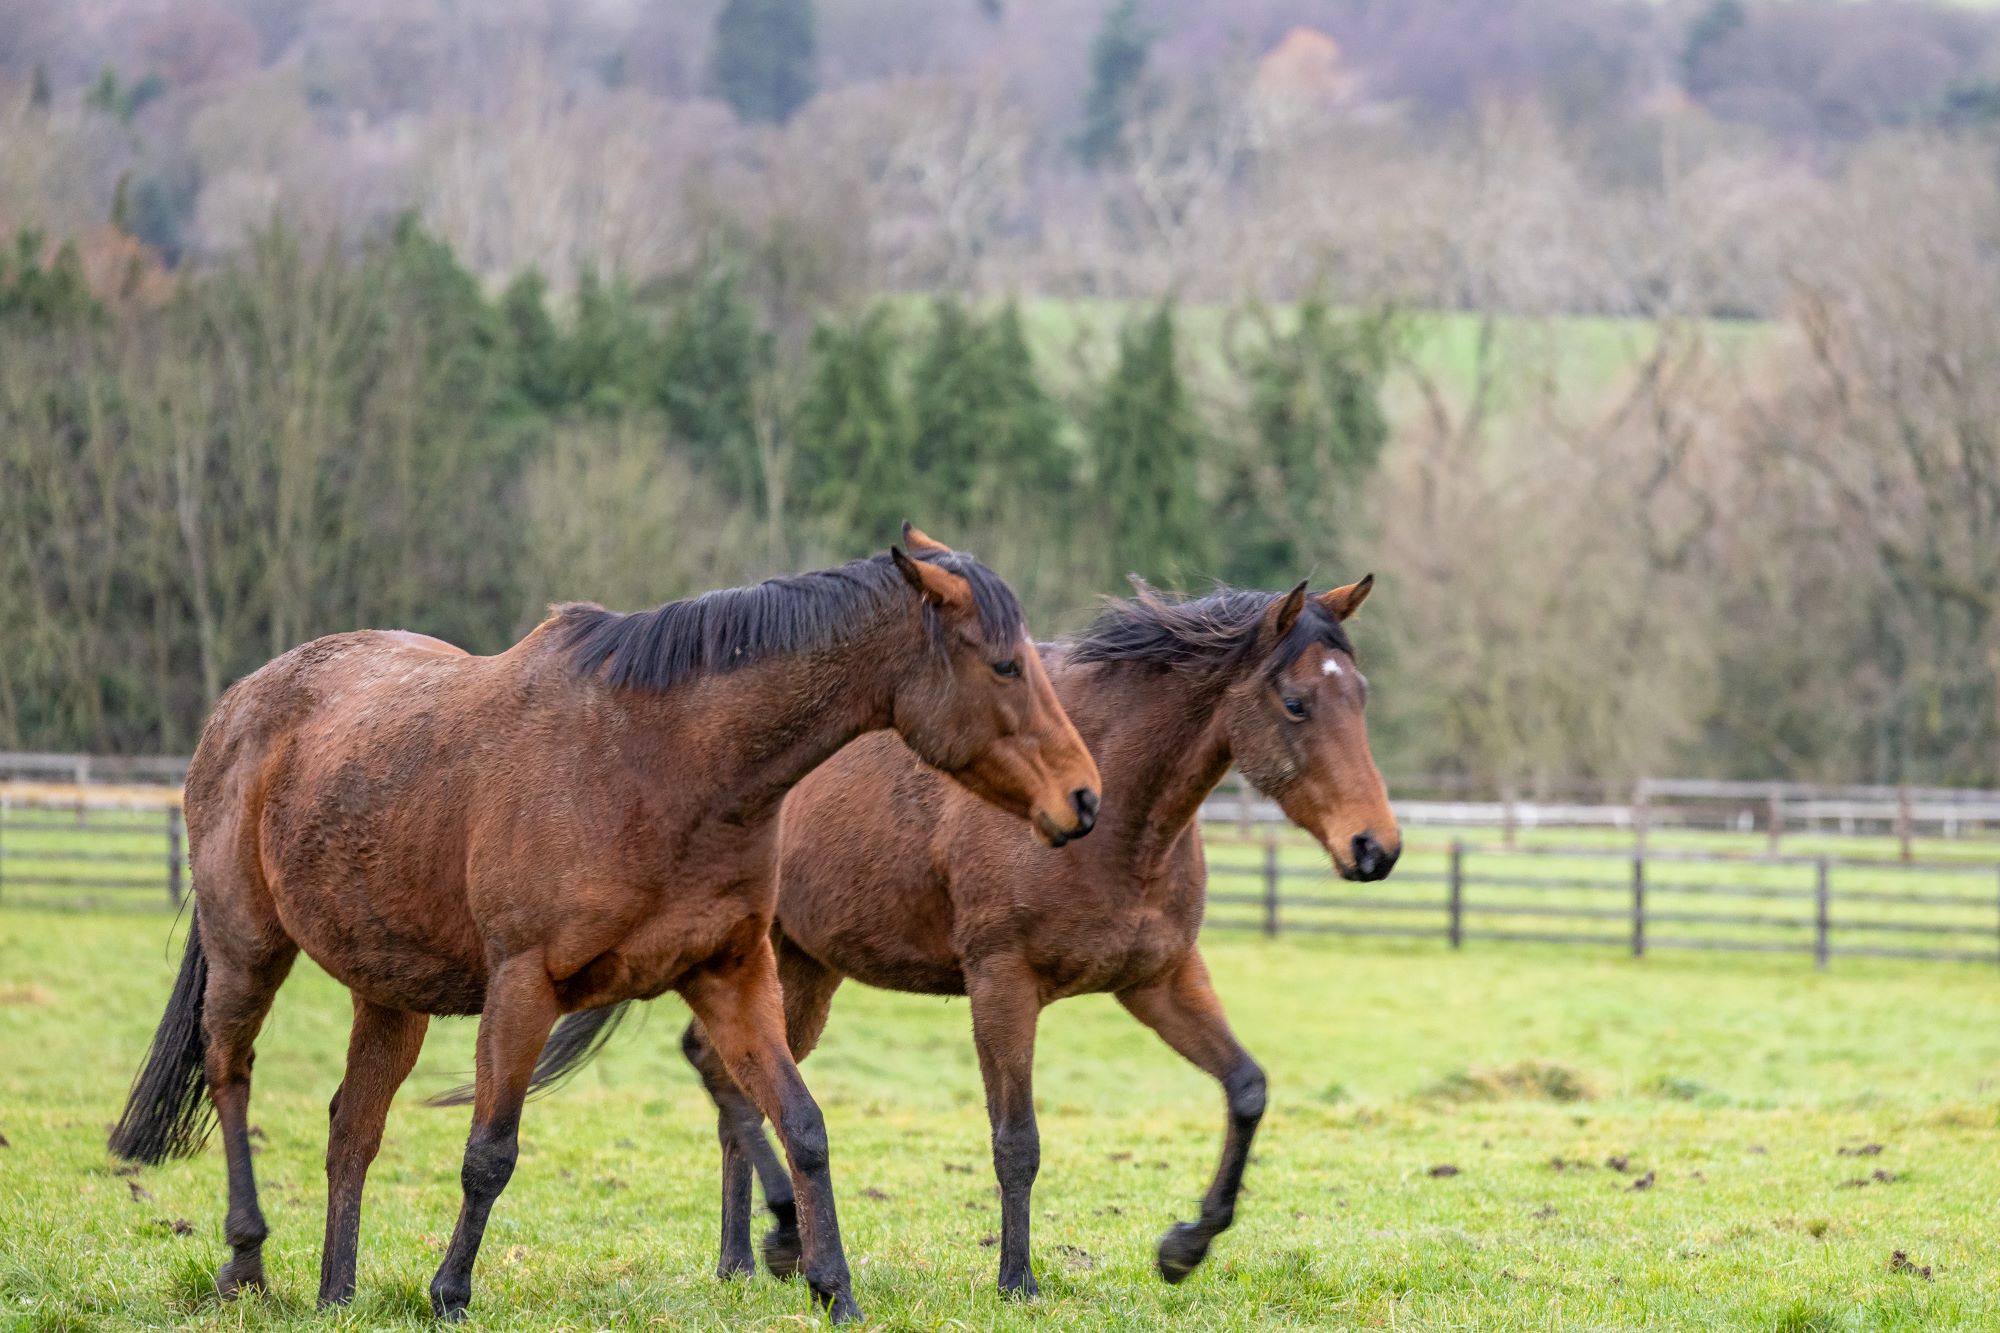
(1630,876)
(1640,900)
(75,845)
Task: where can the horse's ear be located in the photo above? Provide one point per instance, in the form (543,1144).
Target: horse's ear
(914,538)
(934,584)
(1344,602)
(1284,612)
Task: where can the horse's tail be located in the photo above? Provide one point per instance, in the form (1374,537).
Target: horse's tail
(574,1043)
(167,1113)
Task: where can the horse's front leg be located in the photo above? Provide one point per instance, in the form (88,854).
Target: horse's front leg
(1184,1010)
(1006,1002)
(514,1025)
(741,1011)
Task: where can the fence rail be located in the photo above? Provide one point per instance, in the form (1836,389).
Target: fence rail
(74,845)
(1642,900)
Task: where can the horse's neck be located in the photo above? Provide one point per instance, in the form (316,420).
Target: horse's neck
(758,731)
(1160,744)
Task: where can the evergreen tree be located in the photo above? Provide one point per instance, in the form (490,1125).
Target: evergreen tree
(1117,63)
(1146,442)
(39,95)
(711,358)
(1318,430)
(762,62)
(987,432)
(541,378)
(854,437)
(611,352)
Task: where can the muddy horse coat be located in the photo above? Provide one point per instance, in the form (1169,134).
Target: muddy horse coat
(930,892)
(587,818)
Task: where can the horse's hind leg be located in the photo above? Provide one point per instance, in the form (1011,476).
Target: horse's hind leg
(380,1053)
(513,1027)
(808,988)
(741,1010)
(1186,1013)
(242,982)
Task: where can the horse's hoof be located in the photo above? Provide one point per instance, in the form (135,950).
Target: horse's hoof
(781,1251)
(237,1277)
(1181,1251)
(449,1303)
(732,1266)
(840,1306)
(1022,1288)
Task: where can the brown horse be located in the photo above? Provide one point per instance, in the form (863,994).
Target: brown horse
(928,892)
(587,818)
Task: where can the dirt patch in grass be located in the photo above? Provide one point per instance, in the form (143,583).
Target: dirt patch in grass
(1523,1080)
(25,992)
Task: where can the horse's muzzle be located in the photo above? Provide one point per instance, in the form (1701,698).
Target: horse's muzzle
(1370,859)
(1083,804)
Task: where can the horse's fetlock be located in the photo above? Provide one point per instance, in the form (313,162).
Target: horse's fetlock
(245,1230)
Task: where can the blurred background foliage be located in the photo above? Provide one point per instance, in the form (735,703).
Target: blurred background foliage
(1643,350)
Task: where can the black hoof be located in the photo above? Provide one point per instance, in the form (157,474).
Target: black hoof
(1181,1251)
(238,1276)
(1022,1288)
(839,1305)
(336,1300)
(449,1304)
(781,1251)
(733,1266)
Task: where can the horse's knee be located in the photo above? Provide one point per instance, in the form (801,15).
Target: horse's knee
(1017,1154)
(1245,1089)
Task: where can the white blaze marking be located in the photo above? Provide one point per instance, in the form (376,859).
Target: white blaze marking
(1329,668)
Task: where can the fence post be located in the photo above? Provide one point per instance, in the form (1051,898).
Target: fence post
(1903,819)
(174,859)
(1271,885)
(1510,817)
(1639,902)
(1242,807)
(1822,915)
(1455,928)
(1641,816)
(1774,822)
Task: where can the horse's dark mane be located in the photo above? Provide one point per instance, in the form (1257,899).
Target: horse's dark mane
(1212,637)
(737,627)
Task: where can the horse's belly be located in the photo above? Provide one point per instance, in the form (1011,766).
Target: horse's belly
(374,893)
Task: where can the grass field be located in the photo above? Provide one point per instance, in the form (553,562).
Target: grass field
(1727,1087)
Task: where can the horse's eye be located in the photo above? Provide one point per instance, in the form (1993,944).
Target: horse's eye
(1007,670)
(1296,706)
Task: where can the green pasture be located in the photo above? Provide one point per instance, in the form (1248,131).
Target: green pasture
(1508,1137)
(1585,358)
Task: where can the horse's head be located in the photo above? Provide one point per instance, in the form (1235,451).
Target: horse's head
(1297,732)
(981,708)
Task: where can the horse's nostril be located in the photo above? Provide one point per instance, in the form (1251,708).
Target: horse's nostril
(1371,861)
(1084,801)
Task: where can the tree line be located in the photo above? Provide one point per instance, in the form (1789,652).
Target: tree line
(308,438)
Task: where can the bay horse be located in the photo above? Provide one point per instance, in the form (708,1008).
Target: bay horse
(925,891)
(587,818)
